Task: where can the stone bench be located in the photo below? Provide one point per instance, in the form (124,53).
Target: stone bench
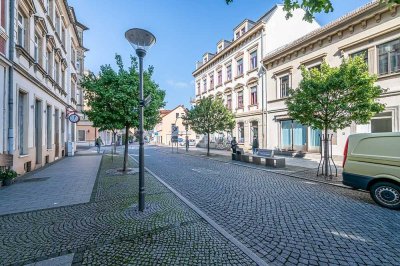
(270,160)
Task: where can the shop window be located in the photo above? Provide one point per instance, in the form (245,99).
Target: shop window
(382,122)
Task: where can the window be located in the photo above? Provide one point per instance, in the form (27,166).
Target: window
(382,122)
(241,132)
(229,72)
(229,101)
(240,99)
(389,57)
(198,87)
(211,82)
(21,30)
(363,54)
(242,31)
(36,48)
(73,90)
(317,67)
(57,72)
(284,86)
(23,123)
(58,23)
(81,135)
(204,85)
(50,8)
(73,56)
(63,79)
(219,73)
(49,62)
(63,36)
(253,95)
(253,60)
(240,67)
(237,34)
(49,127)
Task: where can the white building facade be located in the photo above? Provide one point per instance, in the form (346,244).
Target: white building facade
(47,52)
(233,73)
(373,31)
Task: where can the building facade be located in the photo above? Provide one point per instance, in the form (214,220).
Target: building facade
(234,74)
(46,52)
(169,118)
(372,31)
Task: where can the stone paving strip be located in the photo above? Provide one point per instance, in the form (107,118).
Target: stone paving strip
(69,181)
(109,230)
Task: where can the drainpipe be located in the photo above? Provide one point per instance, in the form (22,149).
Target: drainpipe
(262,90)
(11,79)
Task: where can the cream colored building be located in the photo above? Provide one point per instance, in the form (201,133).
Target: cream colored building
(233,72)
(169,118)
(47,54)
(372,30)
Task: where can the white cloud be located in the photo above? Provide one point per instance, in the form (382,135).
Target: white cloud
(179,84)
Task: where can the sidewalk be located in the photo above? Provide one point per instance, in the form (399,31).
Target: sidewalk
(305,168)
(65,182)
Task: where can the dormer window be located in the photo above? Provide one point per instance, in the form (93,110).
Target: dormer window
(237,35)
(242,31)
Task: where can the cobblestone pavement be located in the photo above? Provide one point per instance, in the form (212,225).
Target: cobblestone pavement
(108,230)
(284,220)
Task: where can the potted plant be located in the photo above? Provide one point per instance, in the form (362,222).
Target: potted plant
(8,176)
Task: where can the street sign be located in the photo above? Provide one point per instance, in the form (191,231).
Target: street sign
(74,118)
(174,130)
(147,101)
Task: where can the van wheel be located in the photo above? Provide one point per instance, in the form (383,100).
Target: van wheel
(386,194)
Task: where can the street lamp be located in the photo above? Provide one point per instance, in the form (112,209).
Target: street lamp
(141,40)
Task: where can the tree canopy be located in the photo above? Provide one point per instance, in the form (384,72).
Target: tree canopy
(113,98)
(209,116)
(312,7)
(334,97)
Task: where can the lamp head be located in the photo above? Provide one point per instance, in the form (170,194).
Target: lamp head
(141,40)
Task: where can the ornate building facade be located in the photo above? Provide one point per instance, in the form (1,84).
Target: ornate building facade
(45,53)
(372,31)
(234,74)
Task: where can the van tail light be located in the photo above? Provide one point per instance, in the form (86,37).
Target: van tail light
(346,147)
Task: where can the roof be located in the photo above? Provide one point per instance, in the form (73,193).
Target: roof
(342,20)
(165,112)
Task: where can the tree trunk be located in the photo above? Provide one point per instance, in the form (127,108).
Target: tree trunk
(326,152)
(126,148)
(208,144)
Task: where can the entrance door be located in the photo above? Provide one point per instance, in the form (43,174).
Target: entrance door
(38,131)
(57,133)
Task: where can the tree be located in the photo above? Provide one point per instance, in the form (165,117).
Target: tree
(113,99)
(311,7)
(209,116)
(334,97)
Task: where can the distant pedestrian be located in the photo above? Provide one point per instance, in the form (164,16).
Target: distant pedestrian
(234,145)
(187,143)
(99,142)
(255,145)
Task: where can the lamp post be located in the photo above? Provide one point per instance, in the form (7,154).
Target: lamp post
(141,40)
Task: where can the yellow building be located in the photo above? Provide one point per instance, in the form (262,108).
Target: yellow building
(169,118)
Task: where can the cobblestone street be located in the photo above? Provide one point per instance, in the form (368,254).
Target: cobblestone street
(108,230)
(284,220)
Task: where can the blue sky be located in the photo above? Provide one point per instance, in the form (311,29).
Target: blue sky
(185,30)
